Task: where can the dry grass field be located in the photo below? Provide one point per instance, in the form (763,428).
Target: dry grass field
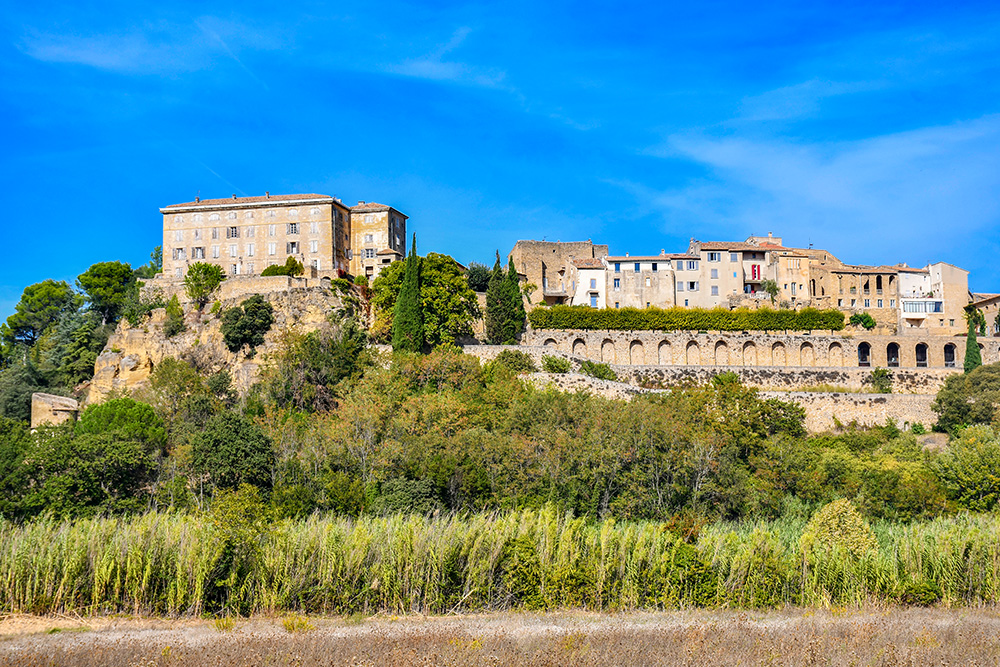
(873,636)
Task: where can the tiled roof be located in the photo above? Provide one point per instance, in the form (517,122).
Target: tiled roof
(588,263)
(371,207)
(650,258)
(736,245)
(237,201)
(872,269)
(389,251)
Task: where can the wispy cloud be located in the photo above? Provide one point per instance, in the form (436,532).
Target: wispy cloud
(435,67)
(919,191)
(799,100)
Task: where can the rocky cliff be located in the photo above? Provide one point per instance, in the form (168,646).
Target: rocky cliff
(133,352)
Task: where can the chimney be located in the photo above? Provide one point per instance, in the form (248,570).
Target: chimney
(663,251)
(234,195)
(267,194)
(626,254)
(197,198)
(361,202)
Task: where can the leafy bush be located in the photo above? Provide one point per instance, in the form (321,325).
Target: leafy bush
(880,380)
(688,319)
(967,469)
(916,428)
(233,450)
(247,323)
(598,370)
(552,364)
(342,285)
(409,496)
(174,323)
(838,525)
(514,361)
(291,267)
(863,319)
(920,593)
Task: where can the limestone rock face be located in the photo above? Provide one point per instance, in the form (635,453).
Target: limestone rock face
(132,353)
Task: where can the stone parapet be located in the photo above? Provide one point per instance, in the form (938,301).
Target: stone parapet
(52,409)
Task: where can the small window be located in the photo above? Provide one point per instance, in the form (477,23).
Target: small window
(734,274)
(314,246)
(692,265)
(271,230)
(637,267)
(231,215)
(892,304)
(214,216)
(715,274)
(840,303)
(314,211)
(649,281)
(654,267)
(617,305)
(734,257)
(680,265)
(250,249)
(715,256)
(248,215)
(269,214)
(272,248)
(178,272)
(618,283)
(250,268)
(880,303)
(369,238)
(197,235)
(593,283)
(618,267)
(715,290)
(951,323)
(647,304)
(680,286)
(315,264)
(685,302)
(232,250)
(593,301)
(854,302)
(314,228)
(233,269)
(293,213)
(232,232)
(369,253)
(868,303)
(178,218)
(215,251)
(293,228)
(251,232)
(198,253)
(692,286)
(179,235)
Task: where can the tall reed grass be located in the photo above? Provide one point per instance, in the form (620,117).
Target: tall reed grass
(176,564)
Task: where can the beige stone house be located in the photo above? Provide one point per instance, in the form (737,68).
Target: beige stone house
(245,235)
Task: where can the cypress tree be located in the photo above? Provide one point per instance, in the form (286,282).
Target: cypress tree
(517,314)
(498,307)
(973,358)
(407,316)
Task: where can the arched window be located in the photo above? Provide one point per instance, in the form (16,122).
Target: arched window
(921,355)
(892,354)
(864,354)
(949,355)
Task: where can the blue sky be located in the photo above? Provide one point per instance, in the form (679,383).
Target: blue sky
(871,129)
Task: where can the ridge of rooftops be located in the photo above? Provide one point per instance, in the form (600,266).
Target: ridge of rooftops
(267,199)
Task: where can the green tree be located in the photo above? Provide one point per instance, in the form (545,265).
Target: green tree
(233,450)
(247,323)
(499,318)
(107,286)
(968,469)
(771,287)
(126,418)
(407,314)
(478,276)
(174,323)
(201,280)
(448,305)
(14,445)
(17,383)
(149,271)
(517,313)
(864,320)
(41,306)
(970,398)
(973,357)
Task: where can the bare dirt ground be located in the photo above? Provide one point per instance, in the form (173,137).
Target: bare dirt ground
(871,636)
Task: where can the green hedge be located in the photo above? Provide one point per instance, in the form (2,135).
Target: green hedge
(677,319)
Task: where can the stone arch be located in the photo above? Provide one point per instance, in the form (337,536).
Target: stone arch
(892,355)
(324,282)
(663,353)
(636,353)
(749,354)
(949,355)
(835,356)
(921,353)
(608,351)
(778,354)
(721,353)
(807,355)
(692,354)
(549,342)
(580,347)
(864,354)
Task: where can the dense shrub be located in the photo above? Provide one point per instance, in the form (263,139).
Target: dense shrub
(291,267)
(174,323)
(692,319)
(551,364)
(478,276)
(598,370)
(880,380)
(863,320)
(201,280)
(247,323)
(969,398)
(514,361)
(838,525)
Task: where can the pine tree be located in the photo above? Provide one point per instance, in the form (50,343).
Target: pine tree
(517,313)
(407,316)
(498,306)
(973,357)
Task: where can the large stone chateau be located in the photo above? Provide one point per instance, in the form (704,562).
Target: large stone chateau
(245,235)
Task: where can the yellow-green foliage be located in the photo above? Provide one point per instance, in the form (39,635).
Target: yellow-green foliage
(838,525)
(691,319)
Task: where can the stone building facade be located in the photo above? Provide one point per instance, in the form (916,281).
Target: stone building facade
(548,265)
(245,235)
